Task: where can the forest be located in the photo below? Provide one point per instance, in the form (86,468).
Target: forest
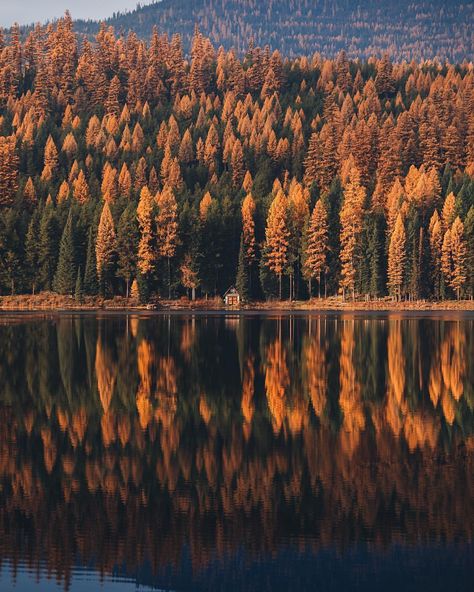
(407,29)
(132,167)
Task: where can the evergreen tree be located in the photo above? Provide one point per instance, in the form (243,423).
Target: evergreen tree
(242,280)
(91,284)
(32,251)
(47,248)
(127,239)
(65,276)
(79,290)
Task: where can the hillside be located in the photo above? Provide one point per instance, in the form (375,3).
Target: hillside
(407,29)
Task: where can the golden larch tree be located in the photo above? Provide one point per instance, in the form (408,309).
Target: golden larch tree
(458,257)
(316,246)
(106,243)
(277,237)
(167,228)
(397,259)
(248,228)
(146,252)
(351,215)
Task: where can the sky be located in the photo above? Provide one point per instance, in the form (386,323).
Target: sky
(28,11)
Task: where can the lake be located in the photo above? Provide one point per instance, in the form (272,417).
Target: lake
(237,452)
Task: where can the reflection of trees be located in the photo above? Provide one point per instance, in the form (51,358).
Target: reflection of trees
(277,380)
(316,371)
(349,392)
(448,371)
(160,460)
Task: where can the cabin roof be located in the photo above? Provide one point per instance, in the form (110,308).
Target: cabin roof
(231,290)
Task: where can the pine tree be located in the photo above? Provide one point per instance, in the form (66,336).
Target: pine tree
(127,240)
(47,248)
(351,216)
(105,249)
(242,280)
(65,276)
(91,284)
(32,254)
(396,259)
(79,290)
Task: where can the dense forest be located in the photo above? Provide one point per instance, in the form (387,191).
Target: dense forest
(127,426)
(127,168)
(407,29)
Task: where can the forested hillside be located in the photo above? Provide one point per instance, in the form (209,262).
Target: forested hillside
(125,166)
(408,29)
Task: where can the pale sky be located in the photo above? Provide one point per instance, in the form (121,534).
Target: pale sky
(32,11)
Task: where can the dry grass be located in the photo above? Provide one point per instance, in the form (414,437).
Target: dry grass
(54,302)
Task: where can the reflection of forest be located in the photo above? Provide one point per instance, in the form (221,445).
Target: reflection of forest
(121,439)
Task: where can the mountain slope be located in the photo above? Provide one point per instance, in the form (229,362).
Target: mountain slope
(408,29)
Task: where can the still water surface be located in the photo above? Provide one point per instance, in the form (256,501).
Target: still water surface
(220,452)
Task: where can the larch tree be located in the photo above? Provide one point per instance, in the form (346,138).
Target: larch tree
(167,228)
(316,246)
(237,164)
(277,237)
(105,249)
(146,247)
(351,217)
(458,257)
(248,228)
(469,234)
(447,258)
(436,245)
(397,259)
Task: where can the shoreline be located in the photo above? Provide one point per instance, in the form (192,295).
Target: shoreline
(53,303)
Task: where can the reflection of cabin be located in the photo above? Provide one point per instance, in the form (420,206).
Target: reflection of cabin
(232,297)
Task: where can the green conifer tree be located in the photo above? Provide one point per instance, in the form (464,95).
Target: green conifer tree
(65,276)
(91,284)
(47,248)
(32,251)
(127,241)
(242,279)
(79,290)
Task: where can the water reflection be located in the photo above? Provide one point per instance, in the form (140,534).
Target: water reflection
(163,445)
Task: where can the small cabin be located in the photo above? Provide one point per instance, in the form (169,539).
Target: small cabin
(232,297)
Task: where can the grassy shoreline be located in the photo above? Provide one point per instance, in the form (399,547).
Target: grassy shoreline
(55,303)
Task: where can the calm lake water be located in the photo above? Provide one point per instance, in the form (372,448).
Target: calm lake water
(214,452)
